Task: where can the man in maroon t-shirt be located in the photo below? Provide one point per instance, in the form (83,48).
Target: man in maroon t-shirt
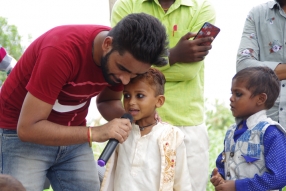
(45,99)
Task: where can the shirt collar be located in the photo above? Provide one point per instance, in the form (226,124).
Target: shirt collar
(254,119)
(182,2)
(272,4)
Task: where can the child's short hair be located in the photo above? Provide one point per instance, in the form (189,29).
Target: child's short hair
(155,78)
(260,80)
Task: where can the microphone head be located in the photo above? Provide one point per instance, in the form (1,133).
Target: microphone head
(127,116)
(101,162)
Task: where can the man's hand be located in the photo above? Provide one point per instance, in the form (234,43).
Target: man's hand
(280,71)
(118,129)
(189,50)
(216,178)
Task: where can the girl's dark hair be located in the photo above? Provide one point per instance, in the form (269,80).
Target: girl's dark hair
(260,80)
(143,36)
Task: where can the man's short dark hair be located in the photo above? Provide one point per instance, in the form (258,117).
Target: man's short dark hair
(260,80)
(143,36)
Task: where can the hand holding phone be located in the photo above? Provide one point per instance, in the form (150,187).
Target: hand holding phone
(188,51)
(207,30)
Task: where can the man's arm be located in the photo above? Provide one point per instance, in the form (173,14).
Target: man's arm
(34,127)
(249,50)
(109,104)
(280,71)
(188,54)
(189,50)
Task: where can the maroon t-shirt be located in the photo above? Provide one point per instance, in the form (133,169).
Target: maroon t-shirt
(58,69)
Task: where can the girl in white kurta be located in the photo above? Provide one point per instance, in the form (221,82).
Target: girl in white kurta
(154,156)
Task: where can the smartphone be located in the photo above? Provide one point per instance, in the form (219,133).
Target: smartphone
(207,30)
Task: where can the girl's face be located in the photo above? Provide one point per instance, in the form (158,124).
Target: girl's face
(140,100)
(242,104)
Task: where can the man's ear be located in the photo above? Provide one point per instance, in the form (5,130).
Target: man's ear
(262,99)
(160,101)
(107,44)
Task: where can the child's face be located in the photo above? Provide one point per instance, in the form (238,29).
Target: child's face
(139,100)
(242,104)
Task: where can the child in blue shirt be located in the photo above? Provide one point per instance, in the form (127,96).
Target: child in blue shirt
(255,147)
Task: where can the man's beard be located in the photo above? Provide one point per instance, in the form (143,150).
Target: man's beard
(105,69)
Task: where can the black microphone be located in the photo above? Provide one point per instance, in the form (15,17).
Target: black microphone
(111,145)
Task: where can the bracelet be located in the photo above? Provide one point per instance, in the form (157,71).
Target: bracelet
(89,136)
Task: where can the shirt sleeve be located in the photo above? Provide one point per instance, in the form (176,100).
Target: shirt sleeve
(248,51)
(275,154)
(50,74)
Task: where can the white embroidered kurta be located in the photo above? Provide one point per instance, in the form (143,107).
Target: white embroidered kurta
(153,162)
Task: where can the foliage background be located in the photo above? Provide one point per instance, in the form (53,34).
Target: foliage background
(10,39)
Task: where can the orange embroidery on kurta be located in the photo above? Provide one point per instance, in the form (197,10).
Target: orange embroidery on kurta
(170,156)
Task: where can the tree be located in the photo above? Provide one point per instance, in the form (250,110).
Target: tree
(11,41)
